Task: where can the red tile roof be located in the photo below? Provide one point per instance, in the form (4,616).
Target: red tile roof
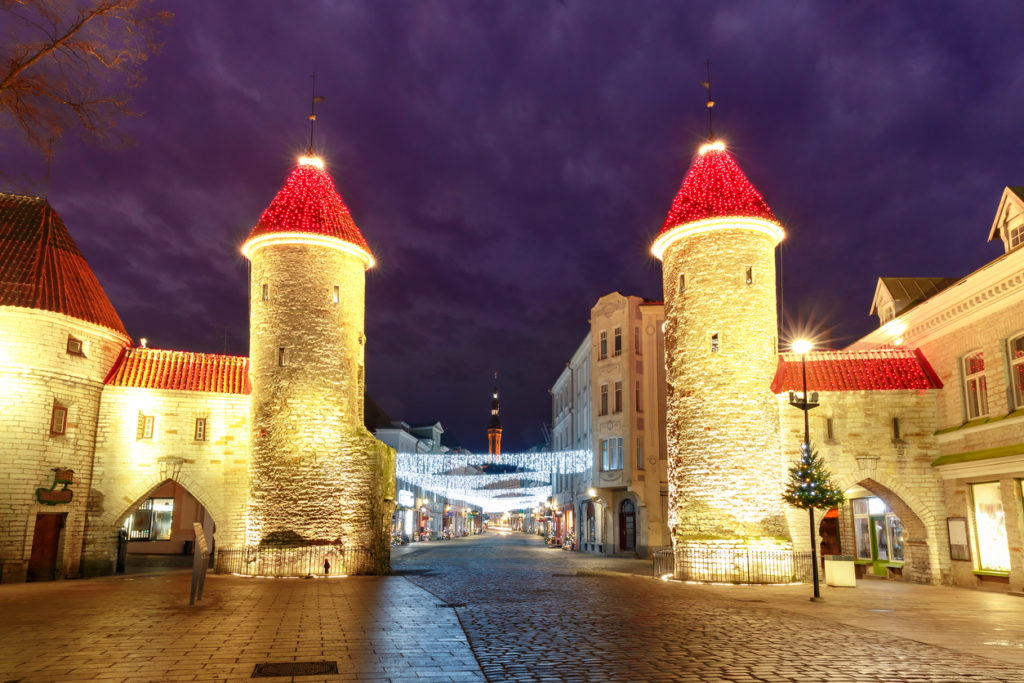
(42,268)
(715,187)
(180,370)
(309,203)
(875,370)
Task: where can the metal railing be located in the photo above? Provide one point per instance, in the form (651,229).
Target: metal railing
(664,561)
(733,565)
(297,561)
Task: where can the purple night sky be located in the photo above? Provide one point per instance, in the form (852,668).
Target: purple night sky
(510,162)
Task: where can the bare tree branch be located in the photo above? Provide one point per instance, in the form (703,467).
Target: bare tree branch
(68,64)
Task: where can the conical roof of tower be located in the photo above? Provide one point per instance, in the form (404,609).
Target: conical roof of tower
(42,268)
(715,187)
(309,204)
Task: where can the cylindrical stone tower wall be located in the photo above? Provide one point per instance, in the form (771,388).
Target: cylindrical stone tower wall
(314,474)
(725,480)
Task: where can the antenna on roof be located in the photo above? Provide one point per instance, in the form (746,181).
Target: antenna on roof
(711,102)
(312,112)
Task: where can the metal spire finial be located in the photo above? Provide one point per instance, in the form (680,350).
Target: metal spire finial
(711,103)
(312,112)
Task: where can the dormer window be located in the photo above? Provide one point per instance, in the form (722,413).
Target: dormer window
(886,312)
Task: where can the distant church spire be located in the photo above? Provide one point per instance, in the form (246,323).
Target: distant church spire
(494,426)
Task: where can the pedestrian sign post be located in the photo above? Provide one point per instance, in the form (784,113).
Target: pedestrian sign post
(200,562)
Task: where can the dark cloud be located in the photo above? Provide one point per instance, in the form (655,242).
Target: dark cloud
(510,162)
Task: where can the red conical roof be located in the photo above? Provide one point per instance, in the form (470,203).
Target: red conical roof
(715,187)
(42,268)
(308,203)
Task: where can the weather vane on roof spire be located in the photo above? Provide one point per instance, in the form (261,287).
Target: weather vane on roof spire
(312,112)
(711,102)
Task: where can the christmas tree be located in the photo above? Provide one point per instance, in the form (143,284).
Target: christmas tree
(810,484)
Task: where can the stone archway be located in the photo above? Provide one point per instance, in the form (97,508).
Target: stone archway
(106,513)
(920,533)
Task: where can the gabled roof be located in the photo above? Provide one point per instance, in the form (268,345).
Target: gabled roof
(887,369)
(180,370)
(1010,210)
(715,187)
(42,268)
(308,204)
(908,290)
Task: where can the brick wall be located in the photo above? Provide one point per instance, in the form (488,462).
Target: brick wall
(36,371)
(863,452)
(722,420)
(128,468)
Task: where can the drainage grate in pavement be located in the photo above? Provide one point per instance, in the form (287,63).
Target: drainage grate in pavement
(450,604)
(269,669)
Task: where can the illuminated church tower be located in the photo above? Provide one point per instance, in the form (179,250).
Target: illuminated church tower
(717,246)
(317,477)
(494,426)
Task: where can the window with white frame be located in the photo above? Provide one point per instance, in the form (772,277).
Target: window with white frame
(603,351)
(144,429)
(975,385)
(58,419)
(611,453)
(1016,352)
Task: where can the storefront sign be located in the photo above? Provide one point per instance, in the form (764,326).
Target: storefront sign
(406,499)
(53,495)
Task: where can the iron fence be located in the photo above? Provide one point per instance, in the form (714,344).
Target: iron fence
(733,565)
(296,561)
(664,561)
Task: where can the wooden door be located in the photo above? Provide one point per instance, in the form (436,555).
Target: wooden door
(627,526)
(42,564)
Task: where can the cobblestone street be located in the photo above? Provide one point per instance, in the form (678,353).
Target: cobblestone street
(504,607)
(530,617)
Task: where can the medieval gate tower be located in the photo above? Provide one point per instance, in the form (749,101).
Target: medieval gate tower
(725,475)
(317,476)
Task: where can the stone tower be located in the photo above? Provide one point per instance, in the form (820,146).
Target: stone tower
(494,426)
(317,477)
(717,246)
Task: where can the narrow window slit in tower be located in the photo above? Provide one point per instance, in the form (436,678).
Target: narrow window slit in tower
(829,433)
(750,275)
(896,429)
(266,292)
(682,282)
(281,360)
(714,343)
(337,293)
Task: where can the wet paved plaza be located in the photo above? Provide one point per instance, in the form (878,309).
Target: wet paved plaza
(505,608)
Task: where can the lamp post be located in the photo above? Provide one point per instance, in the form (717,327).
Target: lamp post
(802,347)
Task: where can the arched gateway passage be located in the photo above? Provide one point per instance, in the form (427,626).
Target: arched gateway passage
(158,531)
(886,536)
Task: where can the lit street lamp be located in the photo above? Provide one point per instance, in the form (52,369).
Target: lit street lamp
(802,347)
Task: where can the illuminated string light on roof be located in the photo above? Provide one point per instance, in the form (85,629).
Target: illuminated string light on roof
(309,204)
(715,188)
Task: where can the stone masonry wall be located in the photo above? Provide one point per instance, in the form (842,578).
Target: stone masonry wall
(863,452)
(722,420)
(37,372)
(317,475)
(128,468)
